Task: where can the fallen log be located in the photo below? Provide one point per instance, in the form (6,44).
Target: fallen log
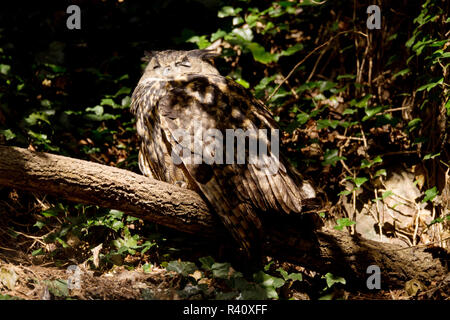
(324,251)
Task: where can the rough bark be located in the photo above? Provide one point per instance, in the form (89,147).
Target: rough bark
(325,251)
(110,187)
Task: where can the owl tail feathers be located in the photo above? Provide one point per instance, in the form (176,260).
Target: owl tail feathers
(246,229)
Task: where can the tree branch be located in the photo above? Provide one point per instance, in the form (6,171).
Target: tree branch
(92,183)
(184,210)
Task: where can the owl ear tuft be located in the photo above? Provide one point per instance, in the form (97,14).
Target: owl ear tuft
(148,55)
(204,54)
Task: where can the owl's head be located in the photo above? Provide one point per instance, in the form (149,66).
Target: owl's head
(171,64)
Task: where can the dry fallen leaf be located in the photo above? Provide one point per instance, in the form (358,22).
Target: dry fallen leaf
(196,275)
(8,278)
(96,252)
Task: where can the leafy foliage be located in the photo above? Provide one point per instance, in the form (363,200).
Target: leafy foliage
(215,280)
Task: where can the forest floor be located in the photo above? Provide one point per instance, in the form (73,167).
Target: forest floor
(25,275)
(23,280)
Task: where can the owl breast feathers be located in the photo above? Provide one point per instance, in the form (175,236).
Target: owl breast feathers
(179,101)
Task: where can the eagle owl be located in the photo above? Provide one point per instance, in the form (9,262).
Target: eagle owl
(182,90)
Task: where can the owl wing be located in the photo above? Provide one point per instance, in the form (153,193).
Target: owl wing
(235,191)
(155,154)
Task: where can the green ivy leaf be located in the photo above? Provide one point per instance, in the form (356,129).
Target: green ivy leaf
(439,220)
(401,73)
(343,222)
(296,277)
(218,35)
(267,280)
(431,85)
(267,266)
(4,69)
(39,224)
(331,157)
(207,262)
(200,41)
(244,34)
(325,123)
(363,103)
(413,124)
(53,212)
(98,110)
(332,279)
(344,193)
(371,112)
(431,156)
(38,252)
(365,164)
(291,50)
(387,194)
(326,297)
(58,287)
(228,11)
(377,159)
(34,117)
(368,163)
(243,83)
(122,91)
(349,111)
(124,103)
(9,135)
(283,273)
(221,270)
(302,118)
(46,104)
(182,267)
(99,114)
(62,242)
(147,268)
(346,76)
(359,181)
(430,194)
(260,54)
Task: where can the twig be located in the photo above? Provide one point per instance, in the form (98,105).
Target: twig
(308,55)
(393,153)
(380,223)
(363,137)
(345,167)
(369,40)
(8,249)
(363,62)
(340,137)
(340,154)
(394,109)
(38,239)
(398,234)
(315,65)
(421,245)
(416,224)
(401,197)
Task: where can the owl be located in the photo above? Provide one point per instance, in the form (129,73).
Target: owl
(185,114)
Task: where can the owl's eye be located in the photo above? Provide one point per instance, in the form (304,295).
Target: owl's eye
(156,66)
(184,63)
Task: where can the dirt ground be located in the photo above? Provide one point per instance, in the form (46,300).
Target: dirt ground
(20,279)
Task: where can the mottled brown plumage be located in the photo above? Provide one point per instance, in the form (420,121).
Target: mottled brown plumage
(183,90)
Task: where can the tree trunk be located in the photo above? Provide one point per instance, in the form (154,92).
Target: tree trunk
(325,251)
